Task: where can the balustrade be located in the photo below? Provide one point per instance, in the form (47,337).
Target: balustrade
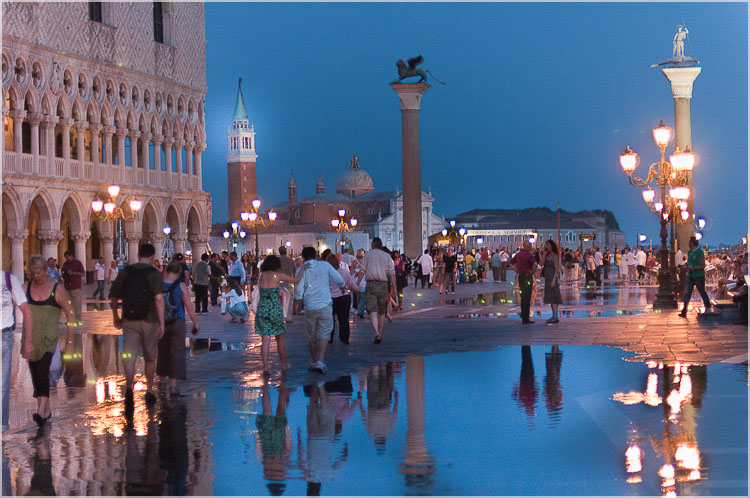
(9,164)
(27,163)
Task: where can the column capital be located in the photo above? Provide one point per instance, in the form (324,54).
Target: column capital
(682,79)
(107,238)
(17,113)
(50,236)
(34,118)
(179,236)
(410,94)
(157,237)
(81,125)
(108,129)
(146,135)
(179,142)
(169,141)
(198,239)
(49,121)
(134,133)
(66,122)
(157,138)
(133,237)
(95,127)
(82,236)
(189,145)
(18,235)
(121,132)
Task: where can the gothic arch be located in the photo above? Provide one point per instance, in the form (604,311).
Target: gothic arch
(155,128)
(41,199)
(48,103)
(77,110)
(150,218)
(105,115)
(12,209)
(194,220)
(79,216)
(14,93)
(31,100)
(120,120)
(92,113)
(165,128)
(172,218)
(131,121)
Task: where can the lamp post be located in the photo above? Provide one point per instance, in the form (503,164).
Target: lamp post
(663,174)
(254,219)
(341,226)
(106,209)
(234,235)
(454,234)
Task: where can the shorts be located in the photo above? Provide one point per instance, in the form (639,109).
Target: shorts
(376,295)
(139,338)
(319,323)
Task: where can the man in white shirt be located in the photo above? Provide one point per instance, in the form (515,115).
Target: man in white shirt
(641,263)
(503,264)
(236,270)
(313,289)
(598,263)
(346,258)
(425,261)
(378,270)
(632,263)
(100,271)
(13,297)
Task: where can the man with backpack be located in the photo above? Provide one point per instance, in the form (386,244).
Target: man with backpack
(139,286)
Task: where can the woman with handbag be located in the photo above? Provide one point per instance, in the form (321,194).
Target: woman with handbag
(269,317)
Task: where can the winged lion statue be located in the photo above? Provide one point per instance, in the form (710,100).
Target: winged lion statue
(412,70)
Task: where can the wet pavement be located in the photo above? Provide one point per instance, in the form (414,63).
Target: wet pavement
(445,406)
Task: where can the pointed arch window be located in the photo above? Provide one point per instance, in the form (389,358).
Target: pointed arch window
(158,22)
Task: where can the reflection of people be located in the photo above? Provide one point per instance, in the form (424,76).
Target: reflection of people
(274,438)
(72,362)
(552,391)
(142,474)
(13,297)
(41,481)
(340,398)
(523,263)
(320,464)
(379,420)
(551,262)
(173,447)
(526,392)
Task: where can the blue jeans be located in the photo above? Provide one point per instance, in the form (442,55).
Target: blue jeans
(7,359)
(361,305)
(700,283)
(239,310)
(99,290)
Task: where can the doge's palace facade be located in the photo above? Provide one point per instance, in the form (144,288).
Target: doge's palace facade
(100,93)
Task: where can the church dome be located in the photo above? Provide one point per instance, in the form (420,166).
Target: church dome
(354,181)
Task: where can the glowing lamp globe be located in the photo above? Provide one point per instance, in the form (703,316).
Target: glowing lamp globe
(109,207)
(682,205)
(532,240)
(679,193)
(97,205)
(113,190)
(628,160)
(342,212)
(256,203)
(648,195)
(226,234)
(698,236)
(354,222)
(444,231)
(662,134)
(253,216)
(453,223)
(642,237)
(135,205)
(166,230)
(335,223)
(235,225)
(682,160)
(462,231)
(480,240)
(272,216)
(243,234)
(244,216)
(701,223)
(288,243)
(685,215)
(658,206)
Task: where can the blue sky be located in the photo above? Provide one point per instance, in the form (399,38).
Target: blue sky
(540,100)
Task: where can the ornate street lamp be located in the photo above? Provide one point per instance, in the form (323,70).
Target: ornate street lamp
(254,219)
(341,226)
(106,209)
(672,174)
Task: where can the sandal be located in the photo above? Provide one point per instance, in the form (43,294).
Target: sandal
(377,340)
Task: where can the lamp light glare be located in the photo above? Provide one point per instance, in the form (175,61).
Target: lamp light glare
(354,222)
(109,208)
(628,160)
(444,231)
(335,223)
(226,234)
(662,134)
(701,223)
(235,225)
(648,195)
(166,230)
(679,193)
(243,234)
(453,223)
(244,216)
(480,240)
(642,237)
(135,205)
(342,212)
(113,190)
(682,160)
(532,240)
(658,206)
(288,243)
(462,231)
(698,236)
(97,205)
(253,216)
(272,216)
(685,215)
(256,203)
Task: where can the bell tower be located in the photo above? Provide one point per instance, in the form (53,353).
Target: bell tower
(241,157)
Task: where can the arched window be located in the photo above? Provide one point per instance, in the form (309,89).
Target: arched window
(158,22)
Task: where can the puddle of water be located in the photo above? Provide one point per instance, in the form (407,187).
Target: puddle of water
(548,314)
(520,420)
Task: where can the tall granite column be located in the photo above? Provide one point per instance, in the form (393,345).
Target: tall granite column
(410,95)
(682,79)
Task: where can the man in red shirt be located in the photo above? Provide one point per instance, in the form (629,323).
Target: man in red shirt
(523,264)
(72,272)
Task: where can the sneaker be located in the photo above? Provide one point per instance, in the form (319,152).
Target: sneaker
(682,314)
(150,398)
(321,367)
(313,365)
(553,320)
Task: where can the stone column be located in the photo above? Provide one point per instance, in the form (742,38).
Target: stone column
(189,157)
(107,237)
(95,128)
(50,239)
(157,151)
(157,240)
(168,141)
(145,138)
(410,96)
(108,131)
(18,116)
(199,163)
(178,156)
(198,245)
(179,241)
(121,134)
(417,461)
(34,119)
(133,239)
(49,125)
(681,80)
(81,144)
(134,148)
(17,238)
(79,246)
(66,123)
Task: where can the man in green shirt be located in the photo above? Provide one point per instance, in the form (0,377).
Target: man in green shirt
(696,276)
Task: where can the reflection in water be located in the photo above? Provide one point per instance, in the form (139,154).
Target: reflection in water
(553,394)
(525,392)
(378,418)
(41,479)
(72,360)
(274,439)
(173,446)
(418,465)
(142,474)
(683,387)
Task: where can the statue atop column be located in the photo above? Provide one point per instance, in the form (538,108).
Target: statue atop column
(678,50)
(412,70)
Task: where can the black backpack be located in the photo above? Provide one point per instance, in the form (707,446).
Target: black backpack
(137,298)
(171,309)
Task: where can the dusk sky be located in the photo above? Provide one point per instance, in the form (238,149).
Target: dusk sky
(540,100)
